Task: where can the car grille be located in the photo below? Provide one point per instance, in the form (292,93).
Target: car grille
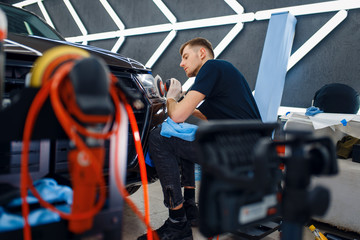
(62,146)
(16,72)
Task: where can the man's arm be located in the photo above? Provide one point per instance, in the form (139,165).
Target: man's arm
(180,111)
(199,114)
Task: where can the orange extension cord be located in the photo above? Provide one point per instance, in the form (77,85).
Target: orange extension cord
(51,88)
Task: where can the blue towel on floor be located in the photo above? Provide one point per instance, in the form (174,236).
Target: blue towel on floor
(50,191)
(185,131)
(11,221)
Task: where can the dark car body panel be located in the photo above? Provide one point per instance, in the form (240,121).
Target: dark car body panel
(49,146)
(35,46)
(22,50)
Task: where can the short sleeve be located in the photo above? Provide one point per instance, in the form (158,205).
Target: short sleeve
(206,78)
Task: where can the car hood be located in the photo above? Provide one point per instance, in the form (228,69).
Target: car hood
(36,46)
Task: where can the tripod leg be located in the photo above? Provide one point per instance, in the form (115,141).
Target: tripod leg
(291,231)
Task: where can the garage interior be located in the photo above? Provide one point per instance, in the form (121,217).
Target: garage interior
(320,43)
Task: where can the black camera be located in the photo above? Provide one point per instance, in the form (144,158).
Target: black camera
(242,183)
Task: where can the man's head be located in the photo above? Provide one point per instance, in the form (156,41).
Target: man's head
(194,54)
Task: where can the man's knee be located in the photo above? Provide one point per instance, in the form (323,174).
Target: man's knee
(155,134)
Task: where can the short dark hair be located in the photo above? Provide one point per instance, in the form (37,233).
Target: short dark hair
(199,41)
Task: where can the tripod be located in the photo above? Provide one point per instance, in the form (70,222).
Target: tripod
(309,157)
(241,176)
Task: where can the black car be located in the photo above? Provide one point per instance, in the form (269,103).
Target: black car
(27,39)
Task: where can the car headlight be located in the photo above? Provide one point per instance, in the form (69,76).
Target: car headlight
(148,82)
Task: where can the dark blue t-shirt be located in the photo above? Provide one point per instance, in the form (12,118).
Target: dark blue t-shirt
(227,94)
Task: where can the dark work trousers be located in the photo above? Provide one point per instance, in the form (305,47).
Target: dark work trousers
(172,157)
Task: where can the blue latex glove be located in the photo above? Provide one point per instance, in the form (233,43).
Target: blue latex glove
(311,111)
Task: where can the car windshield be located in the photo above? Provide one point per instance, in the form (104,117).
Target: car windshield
(25,23)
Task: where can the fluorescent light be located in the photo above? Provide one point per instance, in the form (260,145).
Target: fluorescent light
(316,38)
(235,6)
(45,13)
(75,17)
(118,44)
(188,84)
(247,17)
(113,14)
(147,30)
(227,39)
(167,27)
(215,21)
(95,36)
(330,6)
(25,3)
(165,10)
(161,49)
(201,23)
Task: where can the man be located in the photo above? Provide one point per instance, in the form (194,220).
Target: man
(226,95)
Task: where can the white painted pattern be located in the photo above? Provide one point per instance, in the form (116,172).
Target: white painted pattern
(237,20)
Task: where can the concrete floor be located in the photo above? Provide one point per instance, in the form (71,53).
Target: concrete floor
(133,227)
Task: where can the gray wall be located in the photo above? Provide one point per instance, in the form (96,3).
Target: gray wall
(335,59)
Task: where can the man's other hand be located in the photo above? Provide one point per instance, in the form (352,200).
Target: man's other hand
(174,91)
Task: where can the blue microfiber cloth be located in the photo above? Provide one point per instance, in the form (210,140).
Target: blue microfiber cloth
(184,131)
(311,111)
(50,191)
(11,221)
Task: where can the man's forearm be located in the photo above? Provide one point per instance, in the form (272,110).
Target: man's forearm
(180,111)
(170,105)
